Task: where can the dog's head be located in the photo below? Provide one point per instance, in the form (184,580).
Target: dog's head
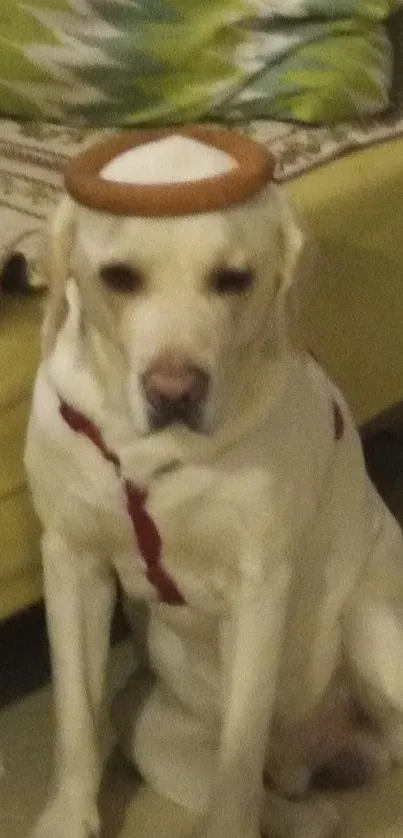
(182,312)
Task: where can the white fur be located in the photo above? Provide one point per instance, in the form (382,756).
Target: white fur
(290,564)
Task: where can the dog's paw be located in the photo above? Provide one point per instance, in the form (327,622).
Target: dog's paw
(233,833)
(68,817)
(230,831)
(320,819)
(282,818)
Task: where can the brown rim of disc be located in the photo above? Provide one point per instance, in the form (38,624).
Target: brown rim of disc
(255,169)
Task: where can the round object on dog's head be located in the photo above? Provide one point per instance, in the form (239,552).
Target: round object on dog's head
(169,172)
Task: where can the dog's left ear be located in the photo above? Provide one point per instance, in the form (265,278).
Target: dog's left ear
(292,238)
(56,266)
(293,266)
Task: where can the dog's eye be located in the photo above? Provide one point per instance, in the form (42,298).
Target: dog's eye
(121,278)
(231,280)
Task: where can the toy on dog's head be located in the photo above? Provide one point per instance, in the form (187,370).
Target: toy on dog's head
(169,172)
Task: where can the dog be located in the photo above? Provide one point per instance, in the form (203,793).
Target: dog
(183,441)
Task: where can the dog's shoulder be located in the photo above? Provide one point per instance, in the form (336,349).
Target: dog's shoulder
(69,477)
(295,438)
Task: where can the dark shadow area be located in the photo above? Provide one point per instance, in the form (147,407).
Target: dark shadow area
(24,652)
(119,783)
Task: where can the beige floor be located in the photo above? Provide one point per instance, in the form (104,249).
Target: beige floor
(26,734)
(129,809)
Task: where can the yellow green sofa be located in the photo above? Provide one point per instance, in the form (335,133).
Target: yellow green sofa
(347,181)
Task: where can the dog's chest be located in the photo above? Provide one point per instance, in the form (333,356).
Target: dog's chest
(81,493)
(184,650)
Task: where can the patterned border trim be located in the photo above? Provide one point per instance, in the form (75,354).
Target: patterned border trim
(300,149)
(32,156)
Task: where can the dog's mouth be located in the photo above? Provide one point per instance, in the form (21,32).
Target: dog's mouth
(176,395)
(183,412)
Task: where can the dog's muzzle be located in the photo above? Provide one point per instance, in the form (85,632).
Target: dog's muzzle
(176,391)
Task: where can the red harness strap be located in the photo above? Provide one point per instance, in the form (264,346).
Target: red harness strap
(338,419)
(145,531)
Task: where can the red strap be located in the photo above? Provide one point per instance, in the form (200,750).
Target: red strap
(338,421)
(146,533)
(149,541)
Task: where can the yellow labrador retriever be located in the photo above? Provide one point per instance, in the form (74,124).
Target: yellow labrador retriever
(181,441)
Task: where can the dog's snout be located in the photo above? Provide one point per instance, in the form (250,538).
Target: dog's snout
(175,390)
(173,377)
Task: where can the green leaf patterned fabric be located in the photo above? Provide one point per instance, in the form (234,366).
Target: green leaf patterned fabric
(339,71)
(125,62)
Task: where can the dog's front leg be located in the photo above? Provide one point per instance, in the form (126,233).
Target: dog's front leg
(79,594)
(251,641)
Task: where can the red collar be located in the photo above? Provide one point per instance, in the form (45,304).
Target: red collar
(145,530)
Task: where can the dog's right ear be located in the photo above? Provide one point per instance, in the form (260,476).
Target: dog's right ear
(297,252)
(56,269)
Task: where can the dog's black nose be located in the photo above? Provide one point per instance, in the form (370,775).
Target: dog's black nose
(175,390)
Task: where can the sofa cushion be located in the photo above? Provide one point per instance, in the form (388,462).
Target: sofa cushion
(103,63)
(338,70)
(19,528)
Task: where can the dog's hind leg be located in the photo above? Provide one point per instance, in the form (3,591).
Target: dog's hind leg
(373,636)
(374,640)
